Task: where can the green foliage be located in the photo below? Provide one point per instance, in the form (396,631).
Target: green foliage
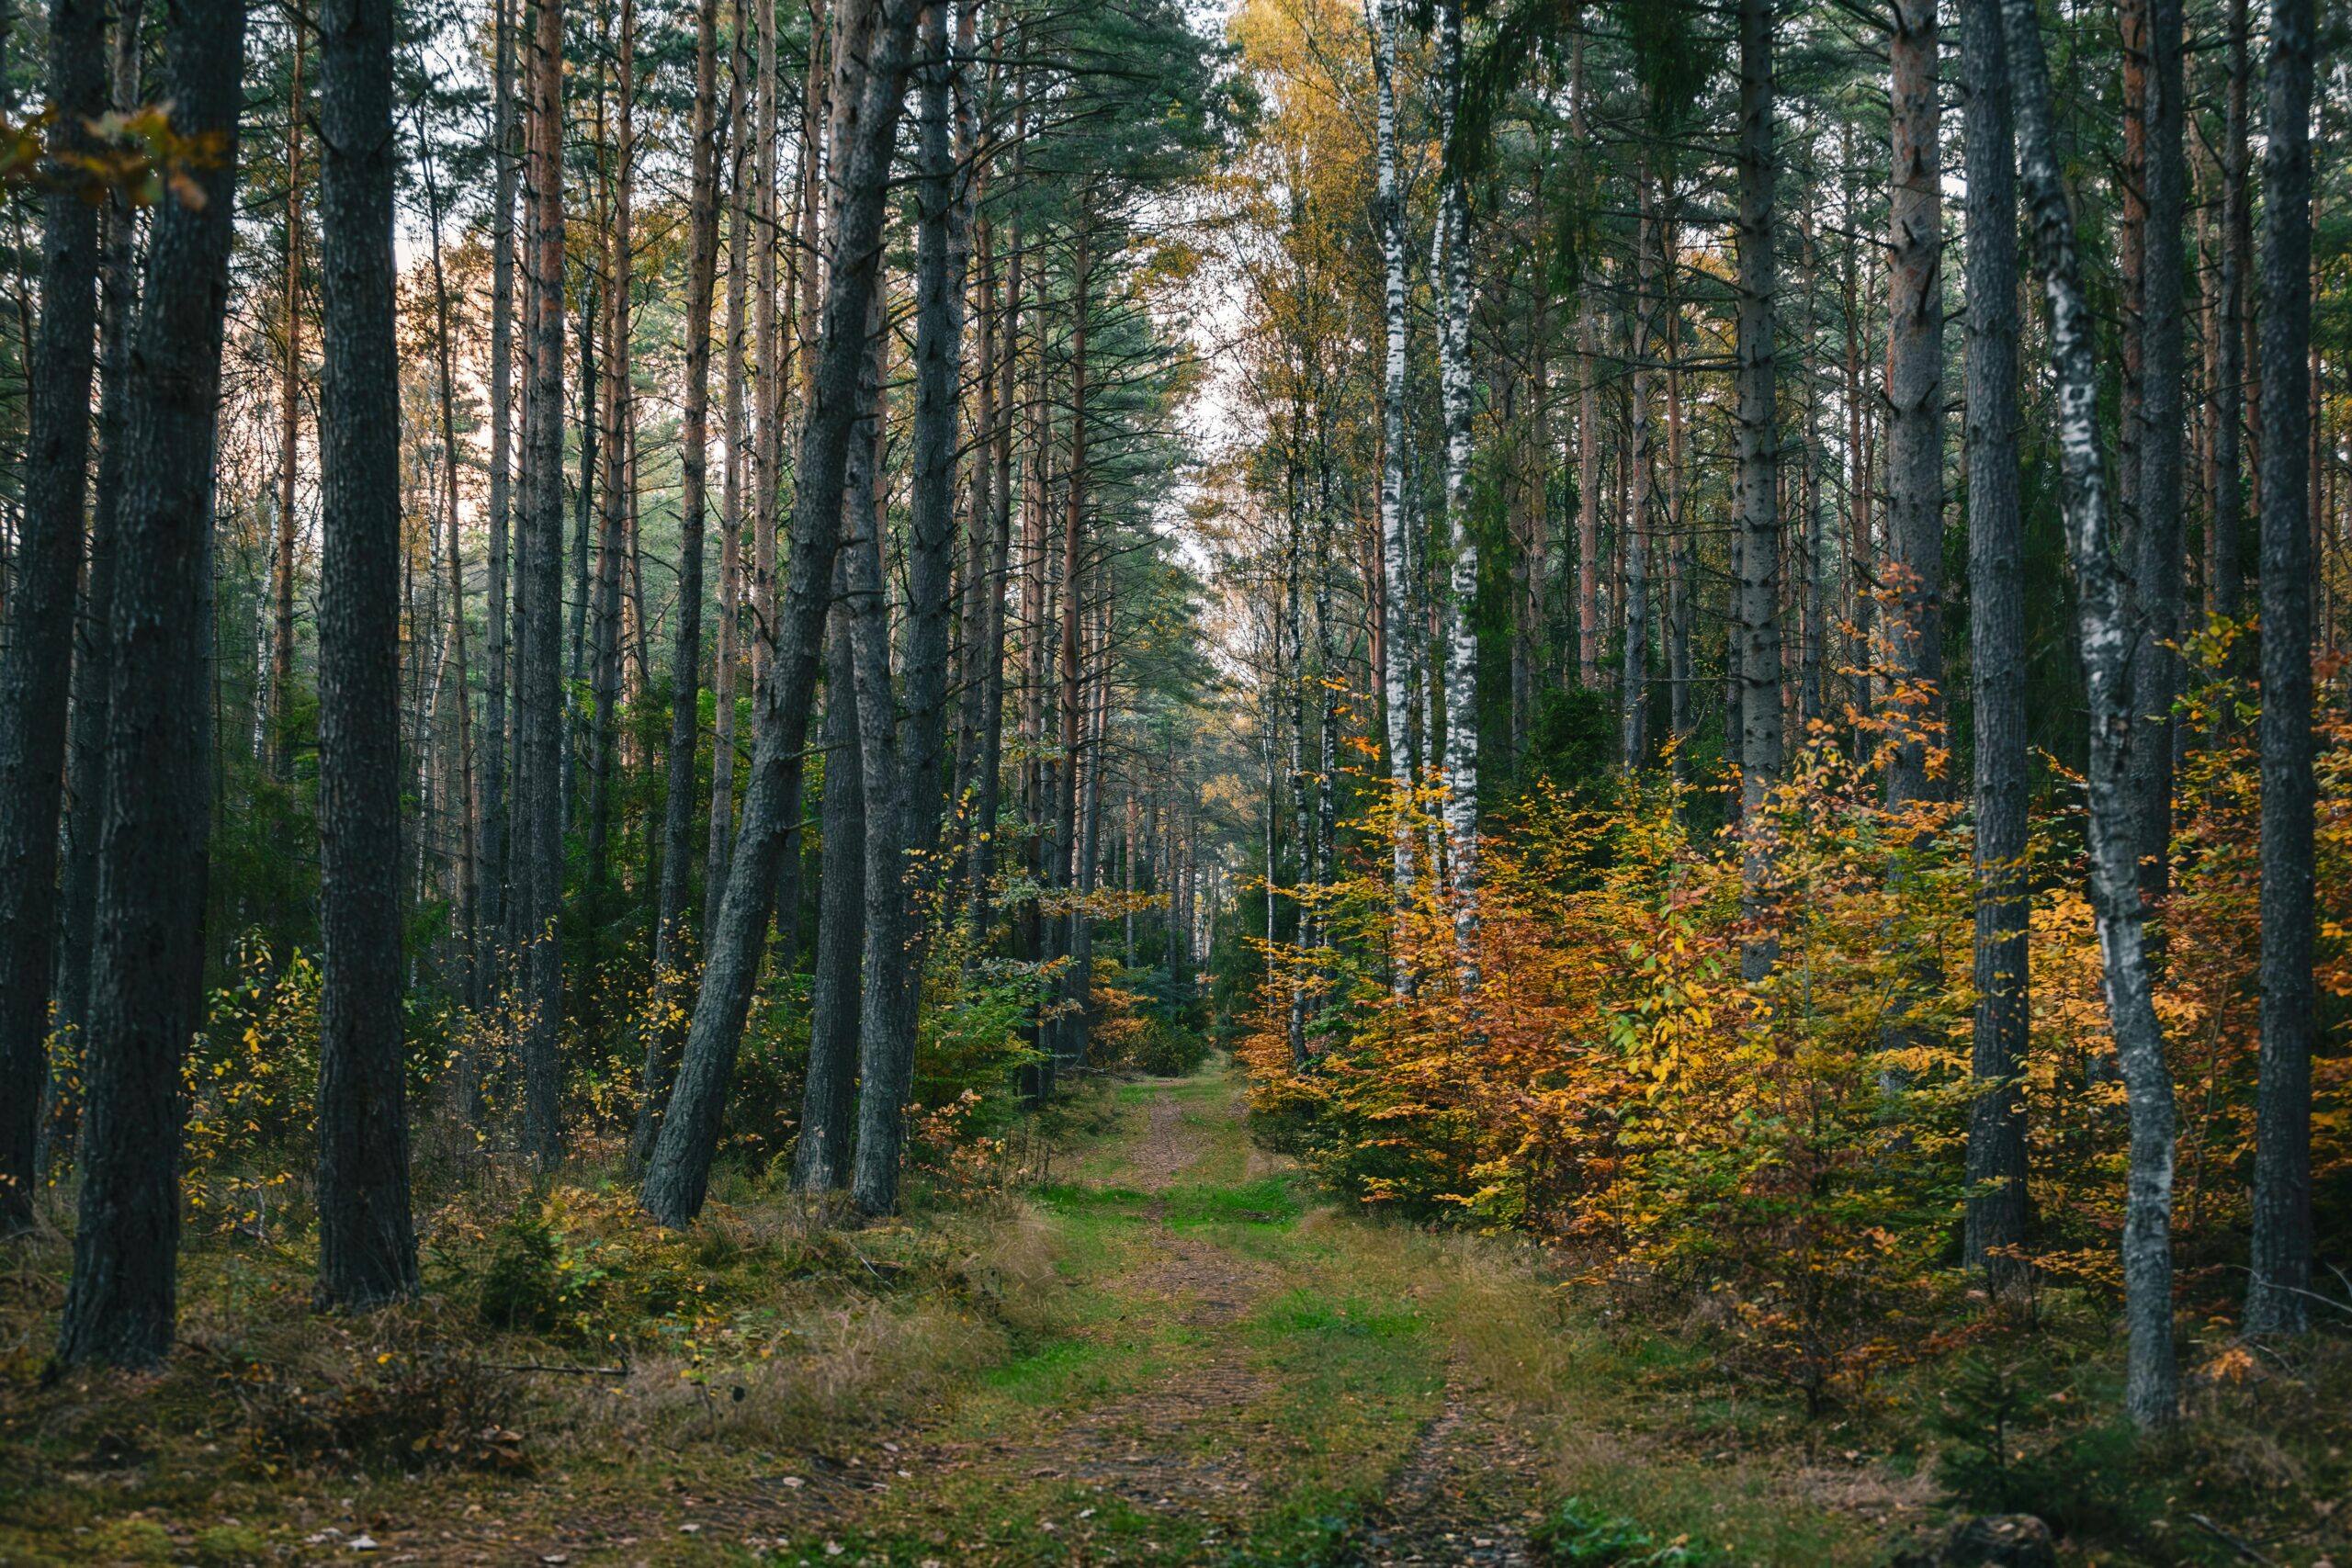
(1577,1535)
(2021,1435)
(522,1288)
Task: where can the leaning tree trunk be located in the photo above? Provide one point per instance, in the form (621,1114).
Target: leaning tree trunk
(725,656)
(1757,632)
(2276,1301)
(366,1239)
(36,666)
(666,1033)
(148,966)
(1996,1153)
(874,82)
(2151,1377)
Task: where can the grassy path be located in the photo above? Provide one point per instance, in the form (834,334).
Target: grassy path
(1239,1376)
(1177,1352)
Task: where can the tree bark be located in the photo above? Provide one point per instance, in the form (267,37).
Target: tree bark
(1756,500)
(147,968)
(1396,553)
(36,664)
(2151,1377)
(2276,1298)
(666,1037)
(1915,397)
(2155,678)
(1462,642)
(496,875)
(821,1157)
(367,1238)
(727,656)
(872,82)
(289,431)
(1996,1149)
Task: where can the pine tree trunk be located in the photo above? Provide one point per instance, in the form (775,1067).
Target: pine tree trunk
(2151,1377)
(147,967)
(872,81)
(2228,510)
(1634,694)
(2155,676)
(1756,500)
(2276,1300)
(37,661)
(366,1239)
(728,655)
(1996,1149)
(1914,429)
(821,1154)
(767,396)
(990,762)
(289,430)
(612,541)
(538,610)
(666,1035)
(497,877)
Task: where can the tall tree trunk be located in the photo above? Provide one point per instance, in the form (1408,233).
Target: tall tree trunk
(613,539)
(1996,1151)
(1634,694)
(289,431)
(872,82)
(366,1239)
(37,662)
(93,655)
(147,968)
(497,875)
(1453,376)
(1076,987)
(2151,1377)
(666,1035)
(727,656)
(1398,637)
(2227,517)
(1914,400)
(989,764)
(1758,628)
(767,396)
(2155,677)
(821,1154)
(2276,1301)
(538,610)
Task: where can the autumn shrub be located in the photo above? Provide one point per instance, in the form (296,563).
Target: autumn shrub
(408,1411)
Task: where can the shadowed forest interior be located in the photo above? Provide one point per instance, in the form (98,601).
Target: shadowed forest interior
(1243,782)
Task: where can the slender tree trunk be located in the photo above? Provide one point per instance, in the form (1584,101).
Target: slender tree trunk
(612,540)
(37,662)
(991,744)
(822,1154)
(496,875)
(540,706)
(1757,624)
(93,655)
(2155,678)
(1914,399)
(1462,644)
(767,396)
(2277,1299)
(289,431)
(1076,987)
(1634,694)
(666,1035)
(871,80)
(728,656)
(1395,553)
(147,967)
(1996,1149)
(2228,514)
(366,1239)
(2151,1377)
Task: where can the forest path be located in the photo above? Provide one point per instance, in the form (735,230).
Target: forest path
(1238,1378)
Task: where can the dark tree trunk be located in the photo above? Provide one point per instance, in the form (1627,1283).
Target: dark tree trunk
(1996,1154)
(289,430)
(666,1035)
(539,699)
(497,877)
(2276,1302)
(727,656)
(874,82)
(2228,513)
(2155,677)
(36,665)
(93,651)
(821,1157)
(2151,1377)
(367,1240)
(147,968)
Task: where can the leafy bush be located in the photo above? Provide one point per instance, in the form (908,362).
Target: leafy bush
(1579,1535)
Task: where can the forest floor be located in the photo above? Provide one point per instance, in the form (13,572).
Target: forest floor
(1175,1351)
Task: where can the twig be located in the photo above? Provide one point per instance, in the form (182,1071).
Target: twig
(552,1367)
(2238,1544)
